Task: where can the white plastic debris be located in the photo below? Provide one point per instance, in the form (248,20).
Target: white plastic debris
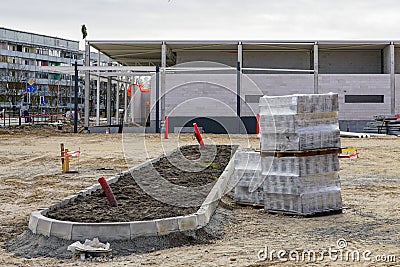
(89,246)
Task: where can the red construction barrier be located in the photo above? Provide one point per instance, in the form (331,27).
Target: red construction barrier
(107,191)
(257,123)
(198,135)
(166,128)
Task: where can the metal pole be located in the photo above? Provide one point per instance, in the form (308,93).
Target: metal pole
(98,94)
(126,103)
(157,99)
(392,81)
(132,101)
(163,89)
(108,101)
(76,99)
(238,81)
(117,103)
(316,68)
(87,88)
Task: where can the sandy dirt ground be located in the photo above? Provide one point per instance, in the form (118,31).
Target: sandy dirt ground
(31,178)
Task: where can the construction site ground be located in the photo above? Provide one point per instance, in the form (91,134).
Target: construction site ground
(31,178)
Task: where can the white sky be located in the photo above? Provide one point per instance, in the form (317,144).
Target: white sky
(207,19)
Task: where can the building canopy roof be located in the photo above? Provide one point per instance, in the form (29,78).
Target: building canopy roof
(131,53)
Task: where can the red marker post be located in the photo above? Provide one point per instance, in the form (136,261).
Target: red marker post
(198,135)
(107,191)
(257,123)
(166,128)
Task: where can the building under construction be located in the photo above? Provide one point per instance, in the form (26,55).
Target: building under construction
(219,82)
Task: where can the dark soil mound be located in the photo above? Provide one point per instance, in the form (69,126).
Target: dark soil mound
(135,204)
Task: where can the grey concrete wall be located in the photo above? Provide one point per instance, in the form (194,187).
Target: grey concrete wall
(286,60)
(353,125)
(397,97)
(227,58)
(397,60)
(217,93)
(386,60)
(350,62)
(353,84)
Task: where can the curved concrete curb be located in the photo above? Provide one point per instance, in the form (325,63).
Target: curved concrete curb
(40,224)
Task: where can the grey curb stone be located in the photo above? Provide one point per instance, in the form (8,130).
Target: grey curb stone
(143,228)
(188,222)
(167,225)
(33,221)
(61,229)
(43,225)
(39,224)
(104,231)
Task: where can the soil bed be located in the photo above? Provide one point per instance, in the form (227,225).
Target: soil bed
(134,204)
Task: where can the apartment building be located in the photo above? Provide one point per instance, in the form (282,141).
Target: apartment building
(22,85)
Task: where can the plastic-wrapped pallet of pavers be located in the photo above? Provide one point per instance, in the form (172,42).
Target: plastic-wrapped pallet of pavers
(300,139)
(248,183)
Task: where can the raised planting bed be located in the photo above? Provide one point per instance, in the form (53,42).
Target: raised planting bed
(185,188)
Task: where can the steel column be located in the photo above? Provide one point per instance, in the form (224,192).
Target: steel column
(108,107)
(87,87)
(392,81)
(163,89)
(316,68)
(117,103)
(157,99)
(98,94)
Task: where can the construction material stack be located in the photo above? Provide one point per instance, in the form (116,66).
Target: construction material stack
(300,142)
(248,178)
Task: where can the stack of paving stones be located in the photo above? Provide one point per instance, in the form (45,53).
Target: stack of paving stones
(248,178)
(299,144)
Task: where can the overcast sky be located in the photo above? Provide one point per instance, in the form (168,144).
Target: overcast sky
(207,19)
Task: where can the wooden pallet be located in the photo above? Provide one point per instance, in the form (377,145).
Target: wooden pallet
(299,153)
(306,215)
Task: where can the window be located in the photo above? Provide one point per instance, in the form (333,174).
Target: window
(364,99)
(26,50)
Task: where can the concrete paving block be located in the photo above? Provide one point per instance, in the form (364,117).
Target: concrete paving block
(167,225)
(201,219)
(83,192)
(43,226)
(33,221)
(93,188)
(55,205)
(43,212)
(188,222)
(113,179)
(68,199)
(61,229)
(143,228)
(104,231)
(65,201)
